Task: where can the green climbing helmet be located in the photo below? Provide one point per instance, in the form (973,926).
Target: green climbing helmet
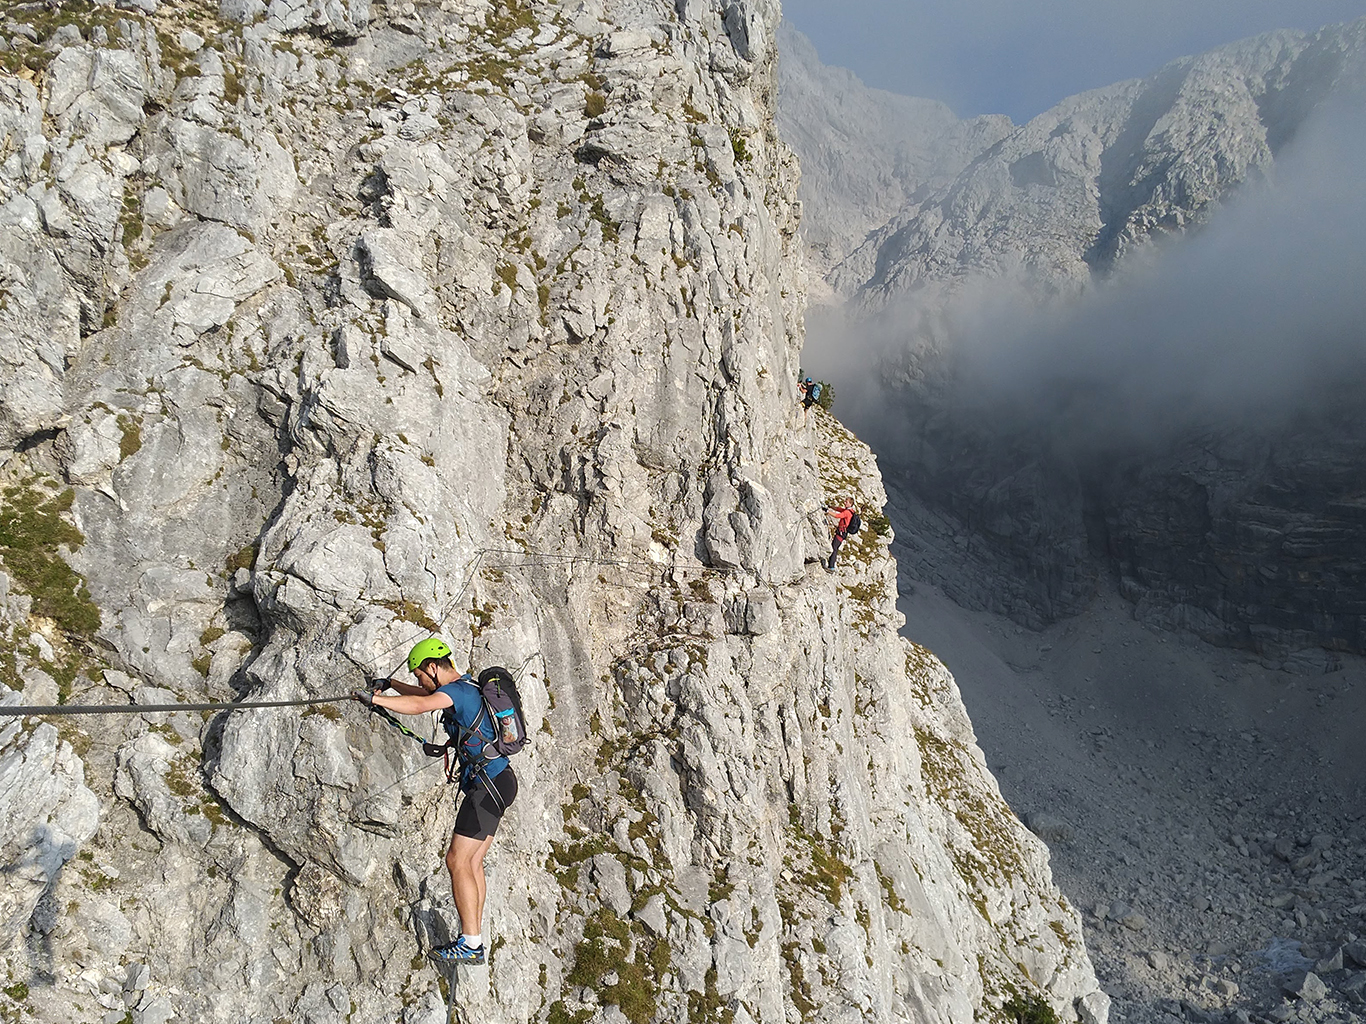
(432,647)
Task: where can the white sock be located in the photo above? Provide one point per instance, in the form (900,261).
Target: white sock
(473,940)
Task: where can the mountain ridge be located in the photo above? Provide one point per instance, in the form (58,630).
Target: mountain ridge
(1148,157)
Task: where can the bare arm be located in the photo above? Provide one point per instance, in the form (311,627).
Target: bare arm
(413,704)
(410,689)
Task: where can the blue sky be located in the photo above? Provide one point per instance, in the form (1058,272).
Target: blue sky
(1019,58)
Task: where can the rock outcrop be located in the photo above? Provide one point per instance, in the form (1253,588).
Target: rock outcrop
(331,326)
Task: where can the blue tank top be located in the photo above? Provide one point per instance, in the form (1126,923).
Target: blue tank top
(467,706)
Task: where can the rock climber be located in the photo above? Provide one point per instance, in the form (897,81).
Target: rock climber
(839,516)
(811,395)
(489,786)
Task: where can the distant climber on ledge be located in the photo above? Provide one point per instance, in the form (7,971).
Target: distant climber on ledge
(844,520)
(475,726)
(811,395)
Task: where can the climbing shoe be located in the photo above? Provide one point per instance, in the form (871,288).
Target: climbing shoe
(457,952)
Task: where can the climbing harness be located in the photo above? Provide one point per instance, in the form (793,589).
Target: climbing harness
(500,704)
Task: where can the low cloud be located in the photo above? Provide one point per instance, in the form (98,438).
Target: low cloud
(1259,313)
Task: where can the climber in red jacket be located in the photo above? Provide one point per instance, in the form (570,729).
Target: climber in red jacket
(842,519)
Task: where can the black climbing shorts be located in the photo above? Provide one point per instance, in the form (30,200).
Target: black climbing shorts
(480,812)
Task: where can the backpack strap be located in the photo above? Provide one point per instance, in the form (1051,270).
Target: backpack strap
(490,788)
(477,767)
(467,734)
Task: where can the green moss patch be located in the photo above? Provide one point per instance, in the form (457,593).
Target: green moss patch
(994,855)
(243,559)
(828,874)
(801,988)
(410,612)
(894,901)
(33,532)
(1028,1009)
(46,19)
(560,1014)
(611,230)
(565,858)
(609,945)
(508,17)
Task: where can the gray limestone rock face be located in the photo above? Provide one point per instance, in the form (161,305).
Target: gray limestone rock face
(97,94)
(141,779)
(337,19)
(357,326)
(383,260)
(47,813)
(1093,1008)
(39,325)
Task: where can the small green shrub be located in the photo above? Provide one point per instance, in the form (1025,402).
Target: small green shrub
(1028,1009)
(595,104)
(739,146)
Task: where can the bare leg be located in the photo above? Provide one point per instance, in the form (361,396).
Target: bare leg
(477,869)
(465,862)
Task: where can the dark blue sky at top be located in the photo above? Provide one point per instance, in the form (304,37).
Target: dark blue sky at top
(1020,57)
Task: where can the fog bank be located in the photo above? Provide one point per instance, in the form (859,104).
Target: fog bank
(1257,313)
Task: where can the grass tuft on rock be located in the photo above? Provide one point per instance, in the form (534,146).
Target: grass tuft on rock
(33,532)
(1028,1009)
(611,945)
